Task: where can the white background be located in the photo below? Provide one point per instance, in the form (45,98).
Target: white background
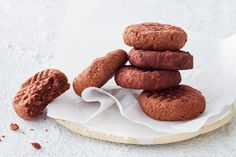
(28,33)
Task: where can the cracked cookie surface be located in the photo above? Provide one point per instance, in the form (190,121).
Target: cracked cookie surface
(155,36)
(178,103)
(166,60)
(38,91)
(134,78)
(100,71)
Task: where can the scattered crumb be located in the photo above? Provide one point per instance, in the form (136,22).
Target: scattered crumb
(46,130)
(46,141)
(44,118)
(1,137)
(31,129)
(14,126)
(23,132)
(36,145)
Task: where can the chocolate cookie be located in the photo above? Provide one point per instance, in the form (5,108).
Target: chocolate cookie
(155,36)
(130,77)
(100,71)
(38,91)
(178,103)
(166,60)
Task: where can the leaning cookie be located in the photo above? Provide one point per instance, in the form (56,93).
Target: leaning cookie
(155,36)
(38,91)
(100,71)
(161,60)
(134,78)
(178,103)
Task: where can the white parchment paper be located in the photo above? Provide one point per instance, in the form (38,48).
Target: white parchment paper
(91,31)
(214,75)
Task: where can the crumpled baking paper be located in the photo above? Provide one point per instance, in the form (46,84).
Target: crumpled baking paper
(90,33)
(213,75)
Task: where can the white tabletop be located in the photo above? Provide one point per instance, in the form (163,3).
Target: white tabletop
(28,32)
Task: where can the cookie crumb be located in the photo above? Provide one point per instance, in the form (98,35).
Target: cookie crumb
(14,126)
(1,137)
(36,145)
(46,130)
(23,132)
(31,129)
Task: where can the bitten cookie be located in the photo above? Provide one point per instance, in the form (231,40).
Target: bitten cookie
(133,78)
(100,71)
(166,60)
(38,91)
(179,103)
(155,36)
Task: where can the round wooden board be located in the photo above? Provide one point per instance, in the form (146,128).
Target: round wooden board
(86,131)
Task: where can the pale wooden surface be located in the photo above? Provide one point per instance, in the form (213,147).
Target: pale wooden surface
(163,140)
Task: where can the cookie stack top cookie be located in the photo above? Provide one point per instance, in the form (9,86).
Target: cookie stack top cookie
(155,36)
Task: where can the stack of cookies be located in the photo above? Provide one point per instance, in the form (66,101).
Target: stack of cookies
(155,61)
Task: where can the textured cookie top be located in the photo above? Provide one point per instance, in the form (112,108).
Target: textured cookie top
(38,91)
(177,103)
(178,93)
(155,36)
(151,27)
(54,73)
